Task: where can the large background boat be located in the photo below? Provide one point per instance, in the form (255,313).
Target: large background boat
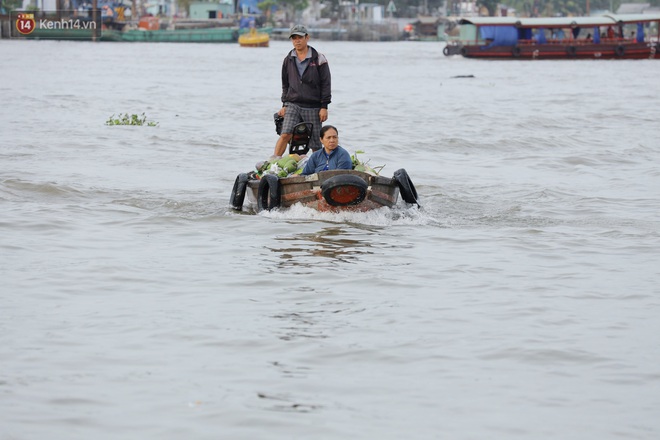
(631,36)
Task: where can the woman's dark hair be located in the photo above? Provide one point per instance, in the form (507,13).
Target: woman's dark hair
(328,127)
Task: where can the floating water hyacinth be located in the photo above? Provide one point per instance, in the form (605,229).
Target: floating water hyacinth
(126,119)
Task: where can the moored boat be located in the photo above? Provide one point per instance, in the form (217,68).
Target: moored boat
(631,36)
(208,35)
(149,29)
(203,35)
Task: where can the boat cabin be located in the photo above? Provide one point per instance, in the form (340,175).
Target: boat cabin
(507,31)
(482,36)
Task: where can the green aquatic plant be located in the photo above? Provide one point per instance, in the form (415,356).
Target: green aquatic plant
(126,119)
(359,165)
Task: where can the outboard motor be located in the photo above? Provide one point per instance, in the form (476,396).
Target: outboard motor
(299,143)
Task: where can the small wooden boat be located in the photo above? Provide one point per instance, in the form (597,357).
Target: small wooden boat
(630,36)
(254,39)
(333,190)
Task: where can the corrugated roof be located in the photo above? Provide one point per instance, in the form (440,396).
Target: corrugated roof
(428,20)
(632,8)
(634,17)
(565,21)
(549,22)
(492,21)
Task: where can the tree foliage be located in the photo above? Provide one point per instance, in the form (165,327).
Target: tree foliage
(288,6)
(10,5)
(184,5)
(295,5)
(412,8)
(491,5)
(404,8)
(561,8)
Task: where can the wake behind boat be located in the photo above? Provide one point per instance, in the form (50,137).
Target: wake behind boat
(630,36)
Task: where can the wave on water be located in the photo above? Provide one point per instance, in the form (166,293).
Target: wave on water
(50,189)
(171,209)
(396,216)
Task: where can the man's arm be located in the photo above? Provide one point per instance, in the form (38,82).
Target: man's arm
(285,79)
(325,79)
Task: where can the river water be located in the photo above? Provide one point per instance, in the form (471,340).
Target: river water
(521,300)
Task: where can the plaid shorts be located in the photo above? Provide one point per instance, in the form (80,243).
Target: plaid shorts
(296,114)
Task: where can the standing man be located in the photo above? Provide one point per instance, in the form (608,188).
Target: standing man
(305,89)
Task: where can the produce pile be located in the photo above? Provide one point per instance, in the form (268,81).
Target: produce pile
(293,164)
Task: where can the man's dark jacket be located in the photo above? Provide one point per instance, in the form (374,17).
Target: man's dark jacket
(313,89)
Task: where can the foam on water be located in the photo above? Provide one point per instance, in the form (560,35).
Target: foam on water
(398,215)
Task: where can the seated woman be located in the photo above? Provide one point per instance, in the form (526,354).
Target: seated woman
(331,156)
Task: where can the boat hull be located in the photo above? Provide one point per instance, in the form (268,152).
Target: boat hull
(208,35)
(254,39)
(254,43)
(307,191)
(568,51)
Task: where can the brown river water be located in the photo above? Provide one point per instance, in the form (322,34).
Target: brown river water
(520,301)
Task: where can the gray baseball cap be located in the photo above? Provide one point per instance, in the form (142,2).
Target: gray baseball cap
(298,29)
